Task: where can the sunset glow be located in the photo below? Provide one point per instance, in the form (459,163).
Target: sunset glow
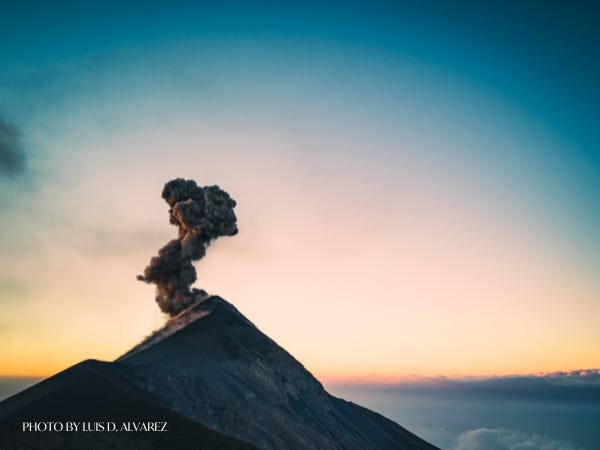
(410,202)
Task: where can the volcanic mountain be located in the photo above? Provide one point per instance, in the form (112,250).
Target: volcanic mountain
(219,383)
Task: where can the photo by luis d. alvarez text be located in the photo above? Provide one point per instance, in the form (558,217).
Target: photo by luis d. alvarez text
(73,427)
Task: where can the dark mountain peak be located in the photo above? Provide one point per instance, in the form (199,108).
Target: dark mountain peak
(213,331)
(210,366)
(214,366)
(182,320)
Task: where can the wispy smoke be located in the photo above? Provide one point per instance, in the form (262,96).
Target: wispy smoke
(12,159)
(202,215)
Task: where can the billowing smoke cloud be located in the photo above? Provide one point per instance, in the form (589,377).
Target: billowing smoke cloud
(202,215)
(12,159)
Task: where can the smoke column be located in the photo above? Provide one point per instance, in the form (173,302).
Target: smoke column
(202,214)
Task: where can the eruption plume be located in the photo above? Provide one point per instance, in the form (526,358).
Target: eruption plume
(202,214)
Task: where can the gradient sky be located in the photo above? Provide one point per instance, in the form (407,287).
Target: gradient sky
(418,186)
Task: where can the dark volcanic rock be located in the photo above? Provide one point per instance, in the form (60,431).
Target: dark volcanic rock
(220,370)
(93,391)
(218,381)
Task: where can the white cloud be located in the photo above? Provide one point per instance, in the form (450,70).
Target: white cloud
(506,439)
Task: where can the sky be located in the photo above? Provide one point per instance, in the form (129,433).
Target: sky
(418,186)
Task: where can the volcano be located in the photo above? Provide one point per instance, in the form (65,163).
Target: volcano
(215,379)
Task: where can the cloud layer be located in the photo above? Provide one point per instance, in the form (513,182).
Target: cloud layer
(552,411)
(506,439)
(578,386)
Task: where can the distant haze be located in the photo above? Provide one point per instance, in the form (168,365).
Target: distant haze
(11,385)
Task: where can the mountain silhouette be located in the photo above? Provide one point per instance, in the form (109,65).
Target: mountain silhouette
(218,382)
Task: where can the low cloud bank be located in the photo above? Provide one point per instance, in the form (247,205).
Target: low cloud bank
(576,387)
(505,439)
(552,411)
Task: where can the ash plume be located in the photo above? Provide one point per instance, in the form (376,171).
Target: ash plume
(202,214)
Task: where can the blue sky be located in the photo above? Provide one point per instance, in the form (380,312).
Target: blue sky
(443,157)
(534,61)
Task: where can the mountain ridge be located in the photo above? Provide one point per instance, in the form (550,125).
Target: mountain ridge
(212,366)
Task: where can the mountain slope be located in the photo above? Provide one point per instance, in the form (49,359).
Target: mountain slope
(92,391)
(218,381)
(220,370)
